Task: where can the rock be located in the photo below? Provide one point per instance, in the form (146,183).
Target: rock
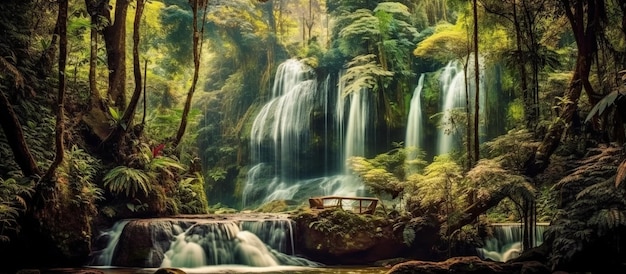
(469,265)
(350,239)
(169,271)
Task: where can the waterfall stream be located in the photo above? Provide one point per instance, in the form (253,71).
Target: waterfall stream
(413,137)
(280,138)
(506,242)
(199,242)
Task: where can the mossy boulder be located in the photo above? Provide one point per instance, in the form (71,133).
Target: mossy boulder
(337,236)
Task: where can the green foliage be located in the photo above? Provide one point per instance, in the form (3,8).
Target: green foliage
(440,186)
(12,204)
(81,170)
(598,214)
(385,173)
(360,34)
(489,177)
(191,195)
(363,73)
(143,171)
(128,180)
(217,174)
(176,21)
(342,223)
(447,43)
(115,115)
(274,206)
(166,165)
(515,113)
(606,102)
(414,160)
(513,149)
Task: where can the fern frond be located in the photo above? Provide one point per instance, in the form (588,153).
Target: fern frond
(127,180)
(607,220)
(165,164)
(6,66)
(621,174)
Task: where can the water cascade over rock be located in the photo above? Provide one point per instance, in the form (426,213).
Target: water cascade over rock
(506,242)
(199,241)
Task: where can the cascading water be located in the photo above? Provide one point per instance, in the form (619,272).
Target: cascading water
(453,86)
(453,92)
(414,125)
(506,243)
(354,134)
(281,135)
(278,133)
(193,243)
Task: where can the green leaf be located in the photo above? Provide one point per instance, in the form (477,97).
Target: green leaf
(604,103)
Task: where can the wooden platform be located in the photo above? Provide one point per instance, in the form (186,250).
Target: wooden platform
(361,205)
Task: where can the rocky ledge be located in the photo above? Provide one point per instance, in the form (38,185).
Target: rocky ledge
(469,265)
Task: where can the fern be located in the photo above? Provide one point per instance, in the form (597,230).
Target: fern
(12,203)
(165,164)
(191,196)
(127,180)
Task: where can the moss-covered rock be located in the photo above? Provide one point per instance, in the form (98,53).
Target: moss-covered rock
(337,236)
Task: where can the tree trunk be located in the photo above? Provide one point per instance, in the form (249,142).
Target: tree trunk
(476,144)
(472,212)
(15,137)
(197,49)
(93,8)
(584,29)
(59,146)
(115,41)
(126,122)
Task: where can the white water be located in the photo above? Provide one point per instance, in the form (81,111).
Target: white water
(453,94)
(243,242)
(413,137)
(453,87)
(282,127)
(506,243)
(281,133)
(105,256)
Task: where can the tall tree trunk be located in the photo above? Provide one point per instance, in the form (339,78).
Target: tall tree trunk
(115,41)
(59,146)
(93,8)
(126,122)
(476,144)
(15,137)
(584,21)
(520,60)
(197,49)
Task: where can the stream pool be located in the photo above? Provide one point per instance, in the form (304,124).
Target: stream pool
(227,269)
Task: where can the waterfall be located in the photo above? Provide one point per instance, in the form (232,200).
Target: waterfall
(279,132)
(453,94)
(112,236)
(414,125)
(506,241)
(280,138)
(352,118)
(193,243)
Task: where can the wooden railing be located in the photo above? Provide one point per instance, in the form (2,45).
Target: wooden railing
(361,205)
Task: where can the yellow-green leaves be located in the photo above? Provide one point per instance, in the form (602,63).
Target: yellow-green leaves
(363,73)
(448,42)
